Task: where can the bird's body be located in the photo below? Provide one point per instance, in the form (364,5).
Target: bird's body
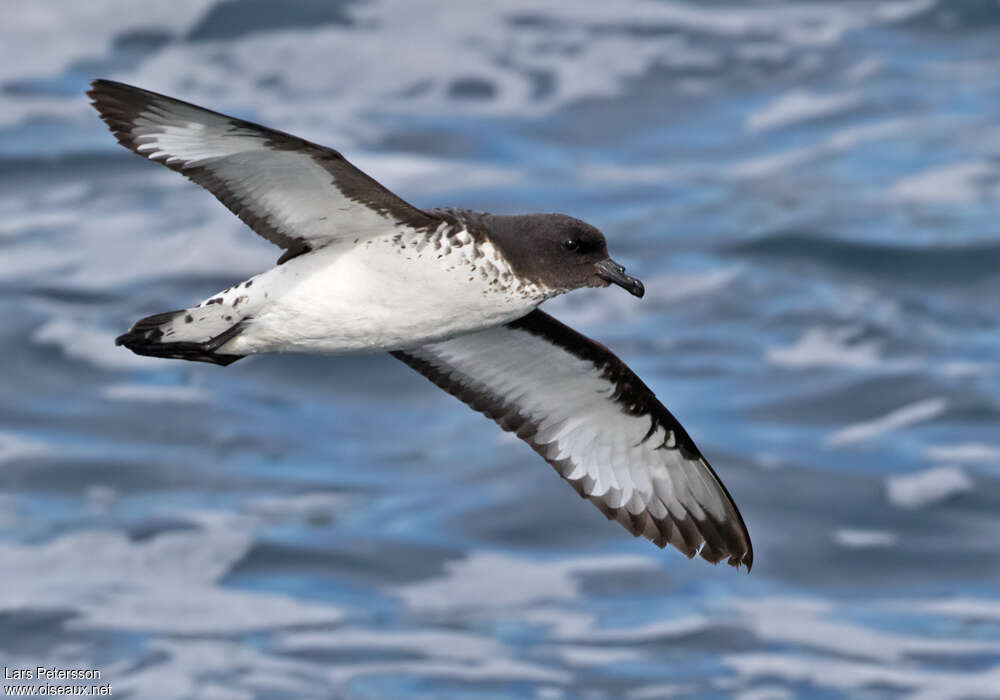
(358,295)
(451,293)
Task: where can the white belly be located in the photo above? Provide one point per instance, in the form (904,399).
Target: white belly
(383,295)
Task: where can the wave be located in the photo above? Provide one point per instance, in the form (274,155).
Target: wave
(942,264)
(934,485)
(902,417)
(311,63)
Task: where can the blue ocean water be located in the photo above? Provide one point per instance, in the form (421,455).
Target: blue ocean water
(809,191)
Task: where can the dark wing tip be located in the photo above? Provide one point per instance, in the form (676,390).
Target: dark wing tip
(746,557)
(102,89)
(99,85)
(713,540)
(119,105)
(103,93)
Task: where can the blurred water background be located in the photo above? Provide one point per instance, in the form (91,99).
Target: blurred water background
(808,189)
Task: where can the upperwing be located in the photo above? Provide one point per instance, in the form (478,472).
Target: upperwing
(296,194)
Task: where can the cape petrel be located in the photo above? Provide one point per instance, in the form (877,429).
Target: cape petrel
(452,293)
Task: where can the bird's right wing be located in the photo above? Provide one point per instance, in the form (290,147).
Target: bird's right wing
(294,193)
(589,416)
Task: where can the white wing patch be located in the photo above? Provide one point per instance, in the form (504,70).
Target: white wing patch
(562,404)
(296,194)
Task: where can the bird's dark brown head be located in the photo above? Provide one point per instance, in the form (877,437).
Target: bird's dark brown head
(558,251)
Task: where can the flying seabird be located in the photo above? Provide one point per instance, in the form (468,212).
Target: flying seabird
(450,292)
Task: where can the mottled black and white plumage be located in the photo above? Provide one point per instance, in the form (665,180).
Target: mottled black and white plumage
(452,293)
(602,429)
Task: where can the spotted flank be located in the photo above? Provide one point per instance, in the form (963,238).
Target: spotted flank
(452,293)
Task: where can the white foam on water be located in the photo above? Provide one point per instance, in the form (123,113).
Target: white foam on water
(965,453)
(774,163)
(828,347)
(491,580)
(630,175)
(649,632)
(336,72)
(958,183)
(770,461)
(820,633)
(12,225)
(590,656)
(178,669)
(864,69)
(864,539)
(903,10)
(94,346)
(87,255)
(560,621)
(659,691)
(316,506)
(764,693)
(422,176)
(860,678)
(206,611)
(168,583)
(674,288)
(911,414)
(815,629)
(330,105)
(63,194)
(14,447)
(811,624)
(100,499)
(599,307)
(924,488)
(492,670)
(963,369)
(72,31)
(479,42)
(439,643)
(836,143)
(967,609)
(593,308)
(797,106)
(155,393)
(447,653)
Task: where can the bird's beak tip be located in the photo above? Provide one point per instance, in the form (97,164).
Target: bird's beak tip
(612,272)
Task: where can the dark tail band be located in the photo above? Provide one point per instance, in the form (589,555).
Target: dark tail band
(146,337)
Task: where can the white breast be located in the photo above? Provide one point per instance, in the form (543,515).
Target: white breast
(397,291)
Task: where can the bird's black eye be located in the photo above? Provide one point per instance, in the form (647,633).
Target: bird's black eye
(571,244)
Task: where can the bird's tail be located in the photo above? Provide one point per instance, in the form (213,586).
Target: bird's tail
(190,334)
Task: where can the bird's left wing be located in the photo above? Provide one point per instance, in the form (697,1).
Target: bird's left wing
(297,194)
(589,416)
